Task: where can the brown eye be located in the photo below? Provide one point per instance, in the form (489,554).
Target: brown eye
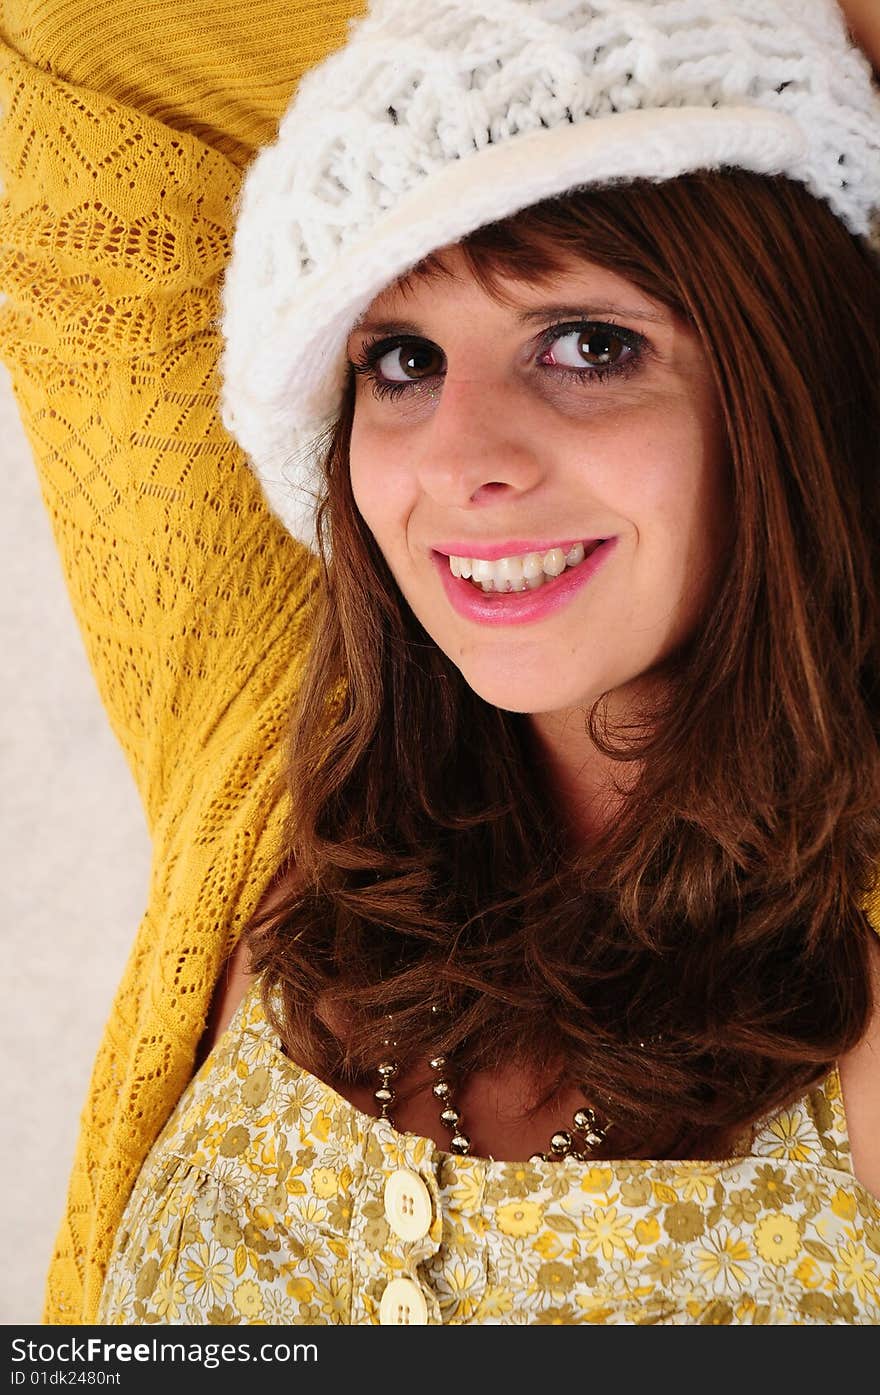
(593,346)
(410,362)
(600,347)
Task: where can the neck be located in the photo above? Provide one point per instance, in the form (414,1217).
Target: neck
(589,785)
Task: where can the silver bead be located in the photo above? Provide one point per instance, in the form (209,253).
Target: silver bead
(437,1063)
(584,1119)
(441,1089)
(387,1069)
(383,1095)
(460,1143)
(450,1117)
(561,1143)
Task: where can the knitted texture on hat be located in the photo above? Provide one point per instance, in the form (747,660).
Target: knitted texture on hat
(434,120)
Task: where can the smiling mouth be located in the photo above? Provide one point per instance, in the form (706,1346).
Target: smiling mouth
(524,572)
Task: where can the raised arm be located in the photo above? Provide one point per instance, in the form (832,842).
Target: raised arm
(124,134)
(123,137)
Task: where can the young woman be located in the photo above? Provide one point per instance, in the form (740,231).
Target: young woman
(555,1002)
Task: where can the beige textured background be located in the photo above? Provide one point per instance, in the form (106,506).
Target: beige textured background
(73,875)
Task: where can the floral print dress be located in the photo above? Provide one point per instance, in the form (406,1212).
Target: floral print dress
(269,1199)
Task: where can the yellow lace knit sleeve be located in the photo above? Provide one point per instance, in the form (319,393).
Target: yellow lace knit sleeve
(114,230)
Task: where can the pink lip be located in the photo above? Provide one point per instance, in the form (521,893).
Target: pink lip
(491,552)
(518,607)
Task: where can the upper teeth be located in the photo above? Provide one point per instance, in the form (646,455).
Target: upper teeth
(517,573)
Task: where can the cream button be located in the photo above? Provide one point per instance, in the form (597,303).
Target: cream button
(407,1205)
(403,1305)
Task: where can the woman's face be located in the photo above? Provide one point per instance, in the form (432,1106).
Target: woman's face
(544,475)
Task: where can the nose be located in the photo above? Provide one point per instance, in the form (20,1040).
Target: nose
(478,447)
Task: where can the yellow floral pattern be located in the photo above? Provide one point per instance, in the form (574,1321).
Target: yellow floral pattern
(262,1203)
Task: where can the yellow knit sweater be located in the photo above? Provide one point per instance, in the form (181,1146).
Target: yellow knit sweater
(125,131)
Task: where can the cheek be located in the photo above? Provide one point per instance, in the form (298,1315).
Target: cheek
(368,479)
(692,519)
(361,472)
(382,488)
(673,488)
(682,477)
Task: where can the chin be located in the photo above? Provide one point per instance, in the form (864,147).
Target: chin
(517,692)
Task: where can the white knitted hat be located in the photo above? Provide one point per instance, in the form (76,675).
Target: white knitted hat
(436,119)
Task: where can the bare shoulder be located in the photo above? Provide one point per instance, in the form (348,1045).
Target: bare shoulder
(860,1082)
(231,987)
(235,977)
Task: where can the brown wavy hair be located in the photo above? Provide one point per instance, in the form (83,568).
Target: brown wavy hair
(707,958)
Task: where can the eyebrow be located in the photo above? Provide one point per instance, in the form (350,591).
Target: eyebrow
(387,327)
(591,311)
(569,311)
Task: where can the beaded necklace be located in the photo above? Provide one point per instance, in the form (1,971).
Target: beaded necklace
(579,1141)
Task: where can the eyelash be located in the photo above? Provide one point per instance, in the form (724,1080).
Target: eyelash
(375,349)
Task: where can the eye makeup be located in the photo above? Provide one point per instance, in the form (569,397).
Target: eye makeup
(618,339)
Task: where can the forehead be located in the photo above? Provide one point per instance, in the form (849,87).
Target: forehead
(448,279)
